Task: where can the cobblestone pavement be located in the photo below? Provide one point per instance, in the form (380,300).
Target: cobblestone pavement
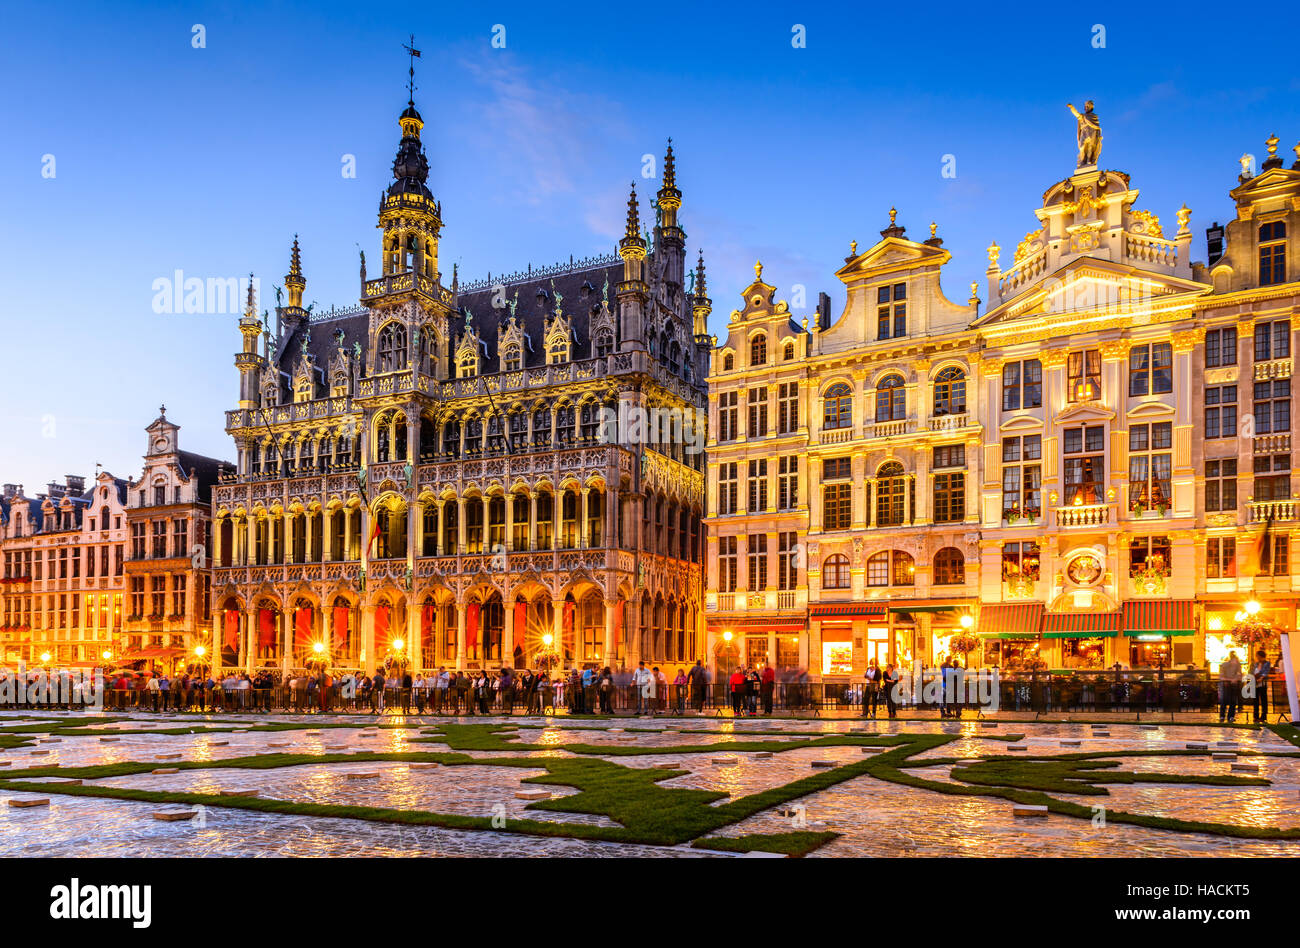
(872,816)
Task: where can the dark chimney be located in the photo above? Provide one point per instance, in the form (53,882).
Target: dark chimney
(1214,242)
(823,311)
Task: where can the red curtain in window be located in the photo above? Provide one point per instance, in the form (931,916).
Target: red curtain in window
(570,610)
(265,628)
(231,638)
(381,630)
(341,617)
(521,622)
(301,629)
(471,625)
(426,623)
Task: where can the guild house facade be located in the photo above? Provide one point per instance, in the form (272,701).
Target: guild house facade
(1091,466)
(469,474)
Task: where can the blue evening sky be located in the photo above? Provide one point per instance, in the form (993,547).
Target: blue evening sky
(209,160)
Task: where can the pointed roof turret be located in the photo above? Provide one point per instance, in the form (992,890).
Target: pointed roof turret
(633,245)
(294,281)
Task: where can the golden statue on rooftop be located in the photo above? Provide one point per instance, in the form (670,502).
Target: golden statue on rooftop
(1089,133)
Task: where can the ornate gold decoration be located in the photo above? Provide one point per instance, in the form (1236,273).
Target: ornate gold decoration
(1147,223)
(1023,248)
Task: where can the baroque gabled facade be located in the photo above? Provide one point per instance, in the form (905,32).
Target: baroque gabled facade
(1096,468)
(449,473)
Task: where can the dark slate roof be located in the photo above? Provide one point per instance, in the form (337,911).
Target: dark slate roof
(204,469)
(533,310)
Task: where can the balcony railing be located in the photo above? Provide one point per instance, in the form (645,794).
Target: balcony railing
(890,429)
(1272,369)
(1262,510)
(835,436)
(1084,515)
(949,422)
(1273,444)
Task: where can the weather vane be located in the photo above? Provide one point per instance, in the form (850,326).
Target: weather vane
(414,55)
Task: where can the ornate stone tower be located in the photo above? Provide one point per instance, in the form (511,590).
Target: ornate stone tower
(408,215)
(247,361)
(632,292)
(701,305)
(670,241)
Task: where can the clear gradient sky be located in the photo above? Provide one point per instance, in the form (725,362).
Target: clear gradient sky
(209,160)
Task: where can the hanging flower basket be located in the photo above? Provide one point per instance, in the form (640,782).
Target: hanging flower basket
(963,643)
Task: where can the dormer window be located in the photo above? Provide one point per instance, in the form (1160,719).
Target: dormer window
(604,343)
(512,360)
(758,350)
(728,362)
(1272,253)
(891,311)
(467,367)
(788,353)
(557,352)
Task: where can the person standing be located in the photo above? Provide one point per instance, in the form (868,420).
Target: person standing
(889,683)
(768,687)
(1229,688)
(871,689)
(641,684)
(737,684)
(1261,671)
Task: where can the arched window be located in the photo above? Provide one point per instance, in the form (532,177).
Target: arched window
(468,365)
(891,493)
(1272,253)
(604,343)
(542,428)
(837,406)
(950,392)
(512,361)
(949,567)
(835,572)
(891,399)
(564,423)
(904,568)
(878,569)
(788,353)
(392,347)
(728,362)
(758,350)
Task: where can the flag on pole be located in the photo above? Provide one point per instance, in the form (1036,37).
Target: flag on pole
(1256,556)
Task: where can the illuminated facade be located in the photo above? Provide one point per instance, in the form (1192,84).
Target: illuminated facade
(168,561)
(62,580)
(1084,467)
(432,475)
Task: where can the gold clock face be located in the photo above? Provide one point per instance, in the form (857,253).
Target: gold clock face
(1084,570)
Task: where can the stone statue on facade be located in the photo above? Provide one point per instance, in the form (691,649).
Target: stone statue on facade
(1089,133)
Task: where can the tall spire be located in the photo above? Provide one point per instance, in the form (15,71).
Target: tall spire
(670,167)
(250,305)
(701,305)
(633,216)
(294,281)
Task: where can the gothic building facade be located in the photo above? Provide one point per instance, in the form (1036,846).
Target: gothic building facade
(454,474)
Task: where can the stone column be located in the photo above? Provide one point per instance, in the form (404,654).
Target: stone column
(487,525)
(437,540)
(510,522)
(508,635)
(557,516)
(609,656)
(532,520)
(460,526)
(582,519)
(287,636)
(872,501)
(460,635)
(414,633)
(347,532)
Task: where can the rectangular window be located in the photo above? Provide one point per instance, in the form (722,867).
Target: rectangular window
(1083,375)
(158,595)
(728,412)
(727,487)
(1150,465)
(1220,347)
(1085,458)
(1221,411)
(1272,477)
(1272,253)
(1273,340)
(837,506)
(1020,560)
(1022,385)
(787,482)
(891,311)
(180,537)
(1272,407)
(787,560)
(727,564)
(756,558)
(1022,476)
(178,595)
(757,485)
(1149,553)
(1221,557)
(1221,485)
(757,412)
(159,539)
(950,455)
(787,395)
(949,497)
(1150,369)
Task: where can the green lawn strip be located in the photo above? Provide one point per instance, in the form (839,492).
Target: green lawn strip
(789,844)
(889,770)
(1080,776)
(1288,732)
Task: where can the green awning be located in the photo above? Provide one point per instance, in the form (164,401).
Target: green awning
(1010,620)
(897,609)
(1080,625)
(1150,620)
